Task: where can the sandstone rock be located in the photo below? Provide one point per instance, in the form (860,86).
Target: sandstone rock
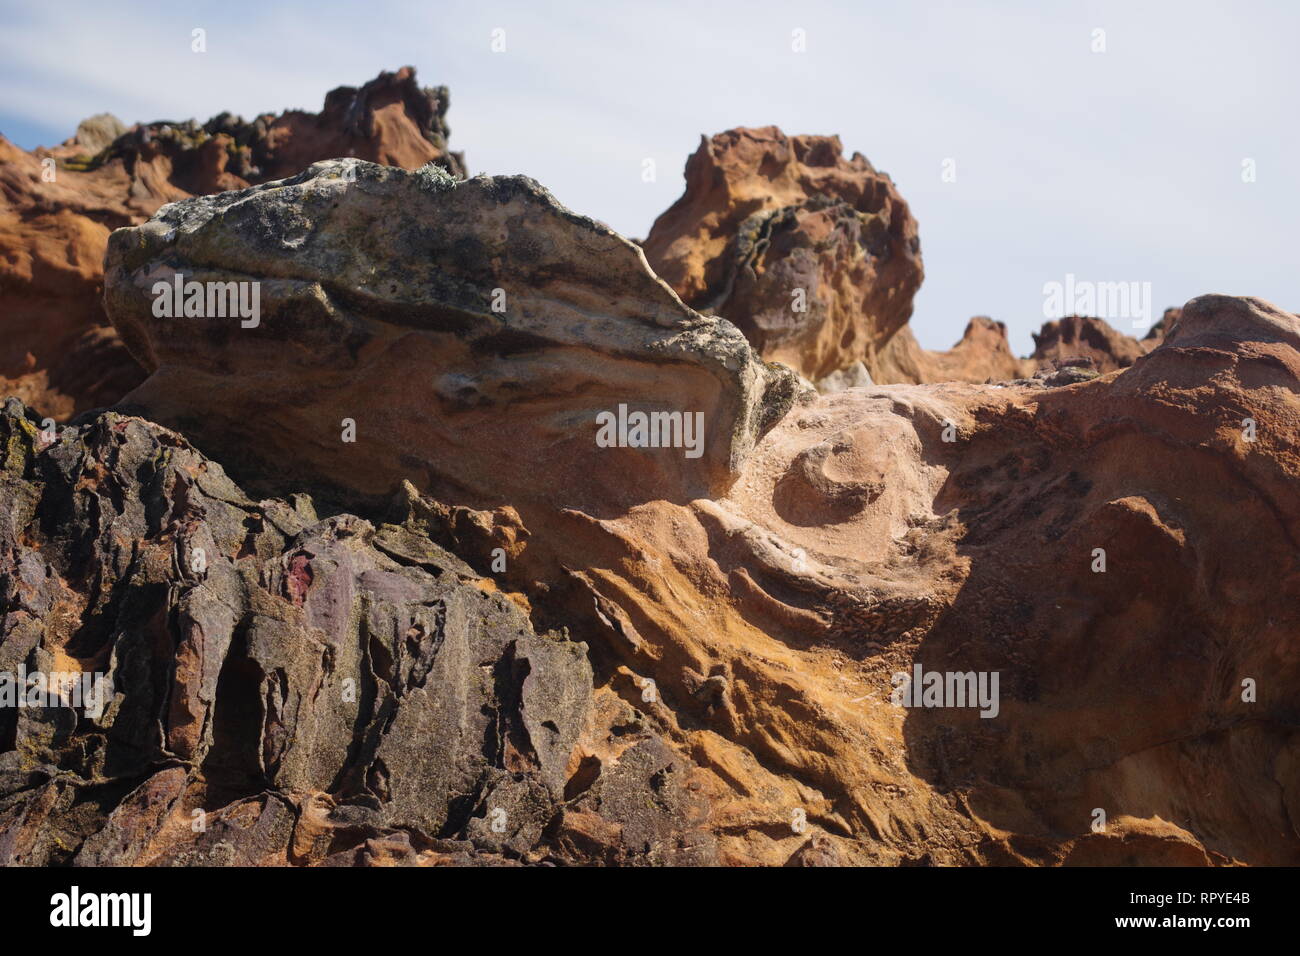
(1158,332)
(309,690)
(390,120)
(635,655)
(982,355)
(437,316)
(1082,337)
(855,376)
(814,257)
(96,133)
(858,544)
(754,609)
(57,350)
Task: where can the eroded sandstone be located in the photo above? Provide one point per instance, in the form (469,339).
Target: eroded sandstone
(57,207)
(754,607)
(433,315)
(813,256)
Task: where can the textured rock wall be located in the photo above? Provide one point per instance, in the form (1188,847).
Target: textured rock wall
(445,600)
(290,689)
(814,257)
(432,314)
(753,608)
(817,258)
(57,207)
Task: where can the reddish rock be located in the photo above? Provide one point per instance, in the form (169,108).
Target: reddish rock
(391,121)
(813,256)
(57,349)
(756,606)
(982,355)
(1082,337)
(1158,332)
(636,655)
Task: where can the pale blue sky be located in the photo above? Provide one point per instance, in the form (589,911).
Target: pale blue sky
(1115,166)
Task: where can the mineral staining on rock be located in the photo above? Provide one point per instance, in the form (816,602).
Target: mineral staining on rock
(753,606)
(290,689)
(462,590)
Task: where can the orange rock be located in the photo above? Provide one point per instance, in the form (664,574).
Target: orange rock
(53,232)
(982,355)
(755,606)
(814,257)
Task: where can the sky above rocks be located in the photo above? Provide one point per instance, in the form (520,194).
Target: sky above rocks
(1030,146)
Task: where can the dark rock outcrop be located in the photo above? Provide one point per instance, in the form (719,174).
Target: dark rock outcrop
(289,689)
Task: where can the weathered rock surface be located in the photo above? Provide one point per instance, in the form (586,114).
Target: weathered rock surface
(288,689)
(57,207)
(423,613)
(814,257)
(96,133)
(434,315)
(859,543)
(756,604)
(982,355)
(1158,332)
(1078,336)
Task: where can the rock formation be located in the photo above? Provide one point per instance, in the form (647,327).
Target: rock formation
(1089,338)
(754,606)
(814,257)
(525,321)
(435,523)
(57,207)
(287,689)
(1158,332)
(982,355)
